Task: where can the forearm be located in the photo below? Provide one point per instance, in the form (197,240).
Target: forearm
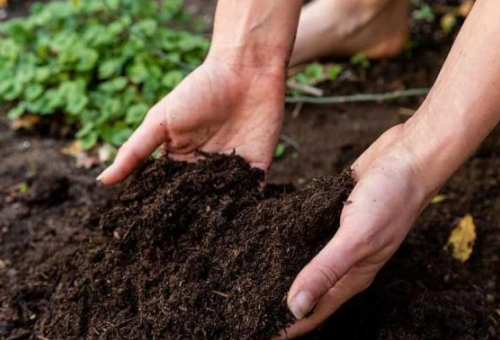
(255,33)
(464,104)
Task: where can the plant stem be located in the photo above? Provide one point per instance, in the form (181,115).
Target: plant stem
(368,97)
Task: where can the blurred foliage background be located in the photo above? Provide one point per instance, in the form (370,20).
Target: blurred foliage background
(97,64)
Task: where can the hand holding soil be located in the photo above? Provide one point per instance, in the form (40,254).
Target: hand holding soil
(379,213)
(218,108)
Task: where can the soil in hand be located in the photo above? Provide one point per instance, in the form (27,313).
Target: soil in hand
(189,251)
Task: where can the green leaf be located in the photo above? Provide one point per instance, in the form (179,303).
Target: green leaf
(42,74)
(114,85)
(425,13)
(76,103)
(280,150)
(360,59)
(172,79)
(110,68)
(314,72)
(138,73)
(5,85)
(13,92)
(87,60)
(17,111)
(136,113)
(189,42)
(334,72)
(89,140)
(145,27)
(33,91)
(85,130)
(115,135)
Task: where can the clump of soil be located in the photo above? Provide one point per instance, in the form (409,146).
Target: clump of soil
(189,251)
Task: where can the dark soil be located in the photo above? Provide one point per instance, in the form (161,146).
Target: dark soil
(51,240)
(190,251)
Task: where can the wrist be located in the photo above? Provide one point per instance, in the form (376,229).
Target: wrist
(272,60)
(437,149)
(255,34)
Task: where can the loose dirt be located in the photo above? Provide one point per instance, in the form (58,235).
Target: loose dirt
(421,294)
(189,251)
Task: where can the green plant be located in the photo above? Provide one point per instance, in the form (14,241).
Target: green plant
(99,64)
(280,150)
(23,187)
(315,73)
(360,59)
(424,13)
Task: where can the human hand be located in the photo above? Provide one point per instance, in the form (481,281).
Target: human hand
(389,196)
(220,107)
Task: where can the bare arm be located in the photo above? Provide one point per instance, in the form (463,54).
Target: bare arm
(464,105)
(399,174)
(256,33)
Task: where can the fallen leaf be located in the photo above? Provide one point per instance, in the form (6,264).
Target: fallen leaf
(26,122)
(439,199)
(448,22)
(462,239)
(83,158)
(3,3)
(466,7)
(87,161)
(73,149)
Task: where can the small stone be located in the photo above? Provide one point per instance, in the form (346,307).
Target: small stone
(11,272)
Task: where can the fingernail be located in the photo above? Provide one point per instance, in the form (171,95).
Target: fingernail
(100,176)
(301,304)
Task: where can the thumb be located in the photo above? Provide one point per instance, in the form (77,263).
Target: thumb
(151,133)
(320,275)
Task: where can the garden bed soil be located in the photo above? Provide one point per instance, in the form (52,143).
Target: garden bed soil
(53,236)
(189,251)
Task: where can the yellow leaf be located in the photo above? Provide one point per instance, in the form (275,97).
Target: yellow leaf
(439,199)
(448,22)
(3,3)
(73,149)
(26,122)
(462,239)
(76,2)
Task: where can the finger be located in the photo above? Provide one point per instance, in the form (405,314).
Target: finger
(150,134)
(350,285)
(322,274)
